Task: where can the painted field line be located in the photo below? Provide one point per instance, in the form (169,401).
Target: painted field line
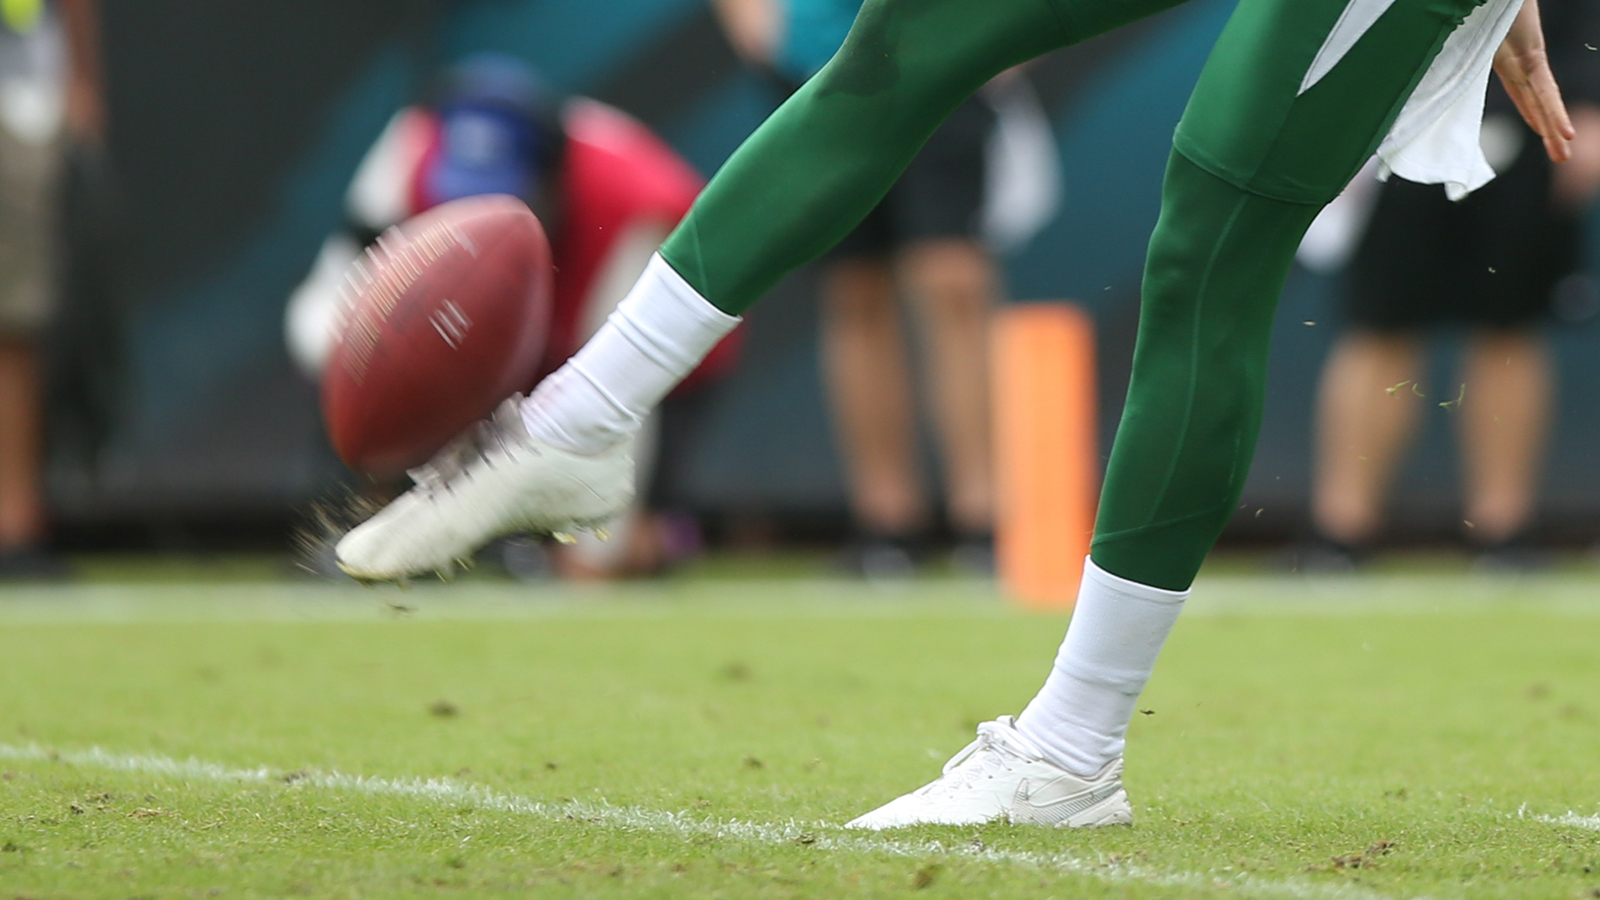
(817,836)
(1572,820)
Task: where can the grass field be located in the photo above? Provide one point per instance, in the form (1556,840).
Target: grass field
(1398,735)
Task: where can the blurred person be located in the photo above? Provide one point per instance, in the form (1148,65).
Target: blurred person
(606,190)
(49,82)
(1492,263)
(921,242)
(1296,96)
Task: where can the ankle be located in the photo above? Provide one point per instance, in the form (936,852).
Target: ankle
(656,336)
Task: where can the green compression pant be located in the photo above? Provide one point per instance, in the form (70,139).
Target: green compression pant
(1255,159)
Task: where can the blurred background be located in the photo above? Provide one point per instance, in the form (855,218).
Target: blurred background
(176,420)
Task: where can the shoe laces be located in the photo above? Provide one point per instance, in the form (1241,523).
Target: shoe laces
(997,748)
(501,433)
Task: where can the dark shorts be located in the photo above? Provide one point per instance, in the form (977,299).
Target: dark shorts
(1493,260)
(939,196)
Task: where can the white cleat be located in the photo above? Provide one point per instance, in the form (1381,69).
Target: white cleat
(494,480)
(1003,777)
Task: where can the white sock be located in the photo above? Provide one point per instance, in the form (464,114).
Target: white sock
(1080,716)
(656,336)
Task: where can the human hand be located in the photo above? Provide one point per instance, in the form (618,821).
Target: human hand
(1524,69)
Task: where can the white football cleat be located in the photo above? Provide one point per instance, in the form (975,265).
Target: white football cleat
(1003,777)
(493,480)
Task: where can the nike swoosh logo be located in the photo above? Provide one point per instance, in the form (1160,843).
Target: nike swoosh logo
(1066,807)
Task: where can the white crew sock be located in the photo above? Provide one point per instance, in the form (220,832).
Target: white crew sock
(654,338)
(1080,716)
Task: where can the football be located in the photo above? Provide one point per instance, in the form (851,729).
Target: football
(443,318)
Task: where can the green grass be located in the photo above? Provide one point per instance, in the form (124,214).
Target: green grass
(1396,736)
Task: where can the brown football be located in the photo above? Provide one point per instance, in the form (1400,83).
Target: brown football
(445,316)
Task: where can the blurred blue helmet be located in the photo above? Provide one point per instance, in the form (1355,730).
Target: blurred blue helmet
(500,131)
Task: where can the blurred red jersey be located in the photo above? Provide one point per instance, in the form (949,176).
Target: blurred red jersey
(617,180)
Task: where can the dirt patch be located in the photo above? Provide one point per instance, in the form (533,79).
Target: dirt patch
(1366,859)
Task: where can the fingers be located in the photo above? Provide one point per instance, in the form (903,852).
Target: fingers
(1524,67)
(1557,119)
(1533,113)
(1549,118)
(1558,131)
(1557,149)
(1532,87)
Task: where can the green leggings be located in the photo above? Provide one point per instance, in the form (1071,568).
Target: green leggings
(1254,160)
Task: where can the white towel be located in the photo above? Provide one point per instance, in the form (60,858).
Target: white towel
(1435,139)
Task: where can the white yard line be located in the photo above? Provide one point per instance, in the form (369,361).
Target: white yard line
(1572,820)
(818,836)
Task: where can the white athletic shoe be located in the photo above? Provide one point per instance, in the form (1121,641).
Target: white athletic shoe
(1002,776)
(493,480)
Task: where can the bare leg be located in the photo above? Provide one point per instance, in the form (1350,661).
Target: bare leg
(1505,418)
(952,284)
(1366,414)
(21,501)
(869,386)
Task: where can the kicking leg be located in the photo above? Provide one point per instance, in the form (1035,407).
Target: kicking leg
(803,181)
(797,186)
